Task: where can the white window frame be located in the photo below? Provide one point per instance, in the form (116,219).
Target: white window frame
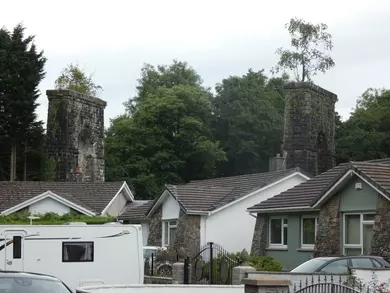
(277,245)
(362,223)
(170,226)
(309,246)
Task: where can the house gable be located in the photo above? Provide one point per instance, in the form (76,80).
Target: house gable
(277,187)
(170,208)
(346,182)
(46,200)
(117,204)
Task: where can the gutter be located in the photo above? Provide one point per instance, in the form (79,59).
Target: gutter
(196,213)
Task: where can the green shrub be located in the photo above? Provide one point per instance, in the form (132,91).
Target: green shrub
(265,263)
(21,218)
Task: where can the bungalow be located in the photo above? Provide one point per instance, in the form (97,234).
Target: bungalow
(190,215)
(38,197)
(345,210)
(135,213)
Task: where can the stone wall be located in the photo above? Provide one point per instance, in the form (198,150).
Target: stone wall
(259,241)
(155,228)
(329,230)
(309,128)
(380,244)
(188,234)
(75,134)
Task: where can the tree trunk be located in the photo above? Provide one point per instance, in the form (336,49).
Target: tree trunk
(25,163)
(12,175)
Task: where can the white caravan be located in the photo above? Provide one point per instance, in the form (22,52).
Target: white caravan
(78,254)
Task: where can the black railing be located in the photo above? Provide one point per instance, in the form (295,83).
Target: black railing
(212,265)
(159,265)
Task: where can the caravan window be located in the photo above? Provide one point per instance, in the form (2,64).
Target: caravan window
(77,251)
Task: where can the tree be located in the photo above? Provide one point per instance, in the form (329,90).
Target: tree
(74,78)
(306,59)
(168,76)
(168,137)
(21,71)
(249,121)
(366,134)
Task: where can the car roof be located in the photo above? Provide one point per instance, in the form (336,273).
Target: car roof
(4,274)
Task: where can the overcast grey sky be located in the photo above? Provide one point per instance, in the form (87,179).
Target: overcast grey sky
(218,38)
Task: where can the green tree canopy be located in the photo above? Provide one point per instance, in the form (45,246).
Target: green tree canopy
(366,134)
(21,71)
(74,78)
(167,138)
(309,42)
(249,121)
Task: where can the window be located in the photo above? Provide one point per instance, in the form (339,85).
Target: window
(278,232)
(360,262)
(336,267)
(358,230)
(308,231)
(17,247)
(77,251)
(169,232)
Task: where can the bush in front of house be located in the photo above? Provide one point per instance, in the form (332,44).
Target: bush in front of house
(265,263)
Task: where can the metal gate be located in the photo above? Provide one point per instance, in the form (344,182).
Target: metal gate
(212,265)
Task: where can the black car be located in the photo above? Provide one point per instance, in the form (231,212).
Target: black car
(22,282)
(340,264)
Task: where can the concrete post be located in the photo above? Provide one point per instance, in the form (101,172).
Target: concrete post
(178,273)
(266,285)
(239,273)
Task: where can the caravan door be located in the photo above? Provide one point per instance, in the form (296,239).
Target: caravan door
(13,250)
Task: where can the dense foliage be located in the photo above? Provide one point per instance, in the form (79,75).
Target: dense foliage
(52,219)
(74,78)
(21,134)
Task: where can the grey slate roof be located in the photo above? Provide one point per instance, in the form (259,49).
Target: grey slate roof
(136,210)
(207,195)
(307,193)
(92,196)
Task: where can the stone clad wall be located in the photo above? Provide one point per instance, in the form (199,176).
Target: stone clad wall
(75,135)
(155,228)
(259,241)
(309,117)
(380,244)
(188,234)
(328,241)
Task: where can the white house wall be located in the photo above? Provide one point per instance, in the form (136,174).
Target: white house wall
(170,209)
(233,226)
(48,205)
(117,205)
(145,232)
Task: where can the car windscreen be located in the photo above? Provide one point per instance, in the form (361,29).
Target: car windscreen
(310,266)
(31,285)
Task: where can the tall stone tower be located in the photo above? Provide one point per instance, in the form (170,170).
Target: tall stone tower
(75,134)
(309,128)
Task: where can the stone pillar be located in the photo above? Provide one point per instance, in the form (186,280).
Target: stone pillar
(266,285)
(309,128)
(259,240)
(239,273)
(328,230)
(75,135)
(178,273)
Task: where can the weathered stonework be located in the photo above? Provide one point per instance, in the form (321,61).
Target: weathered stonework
(75,135)
(155,228)
(380,244)
(188,234)
(309,128)
(328,231)
(259,241)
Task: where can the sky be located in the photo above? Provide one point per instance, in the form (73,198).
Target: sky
(113,39)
